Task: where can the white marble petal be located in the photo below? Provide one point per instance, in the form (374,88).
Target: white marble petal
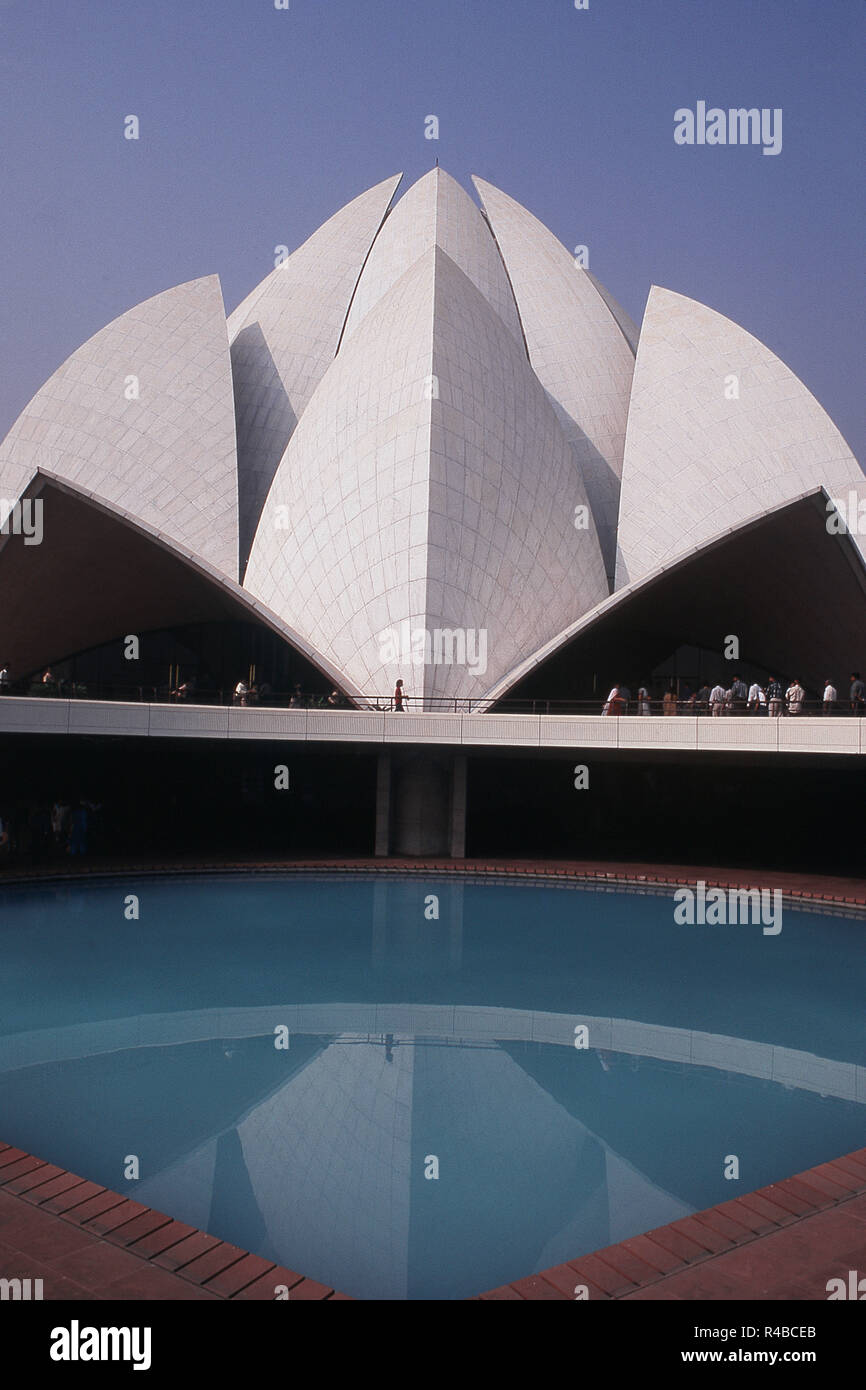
(581,346)
(719,431)
(428,487)
(285,334)
(435,211)
(165,455)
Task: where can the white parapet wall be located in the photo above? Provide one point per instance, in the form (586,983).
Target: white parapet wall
(743,734)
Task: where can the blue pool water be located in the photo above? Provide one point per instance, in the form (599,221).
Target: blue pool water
(414,1038)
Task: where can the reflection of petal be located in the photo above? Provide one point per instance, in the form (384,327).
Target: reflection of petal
(317,1157)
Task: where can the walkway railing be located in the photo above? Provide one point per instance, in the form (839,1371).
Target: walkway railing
(266,698)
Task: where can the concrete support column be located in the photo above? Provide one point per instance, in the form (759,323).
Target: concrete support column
(427,804)
(458,807)
(382,846)
(421,789)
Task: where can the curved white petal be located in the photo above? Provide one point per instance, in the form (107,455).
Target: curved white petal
(719,431)
(428,487)
(285,334)
(435,211)
(581,348)
(166,455)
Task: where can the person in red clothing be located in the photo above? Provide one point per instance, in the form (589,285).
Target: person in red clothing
(398,697)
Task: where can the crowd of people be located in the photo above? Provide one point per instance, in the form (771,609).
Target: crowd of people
(41,832)
(771,699)
(47,680)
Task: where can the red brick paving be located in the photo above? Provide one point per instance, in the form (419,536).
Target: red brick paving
(106,1246)
(184,1251)
(821,888)
(778,1258)
(171,1234)
(131,1231)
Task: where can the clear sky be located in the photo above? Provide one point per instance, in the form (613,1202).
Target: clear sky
(257,124)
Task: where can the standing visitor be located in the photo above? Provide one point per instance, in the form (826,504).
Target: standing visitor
(774,696)
(739,696)
(795,695)
(669,702)
(60,823)
(756,698)
(857,693)
(643,701)
(829,697)
(717,700)
(398,698)
(615,703)
(78,830)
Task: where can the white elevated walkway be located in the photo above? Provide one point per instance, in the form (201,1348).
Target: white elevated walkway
(758,734)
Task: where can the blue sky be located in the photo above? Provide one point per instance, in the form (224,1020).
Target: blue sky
(257,124)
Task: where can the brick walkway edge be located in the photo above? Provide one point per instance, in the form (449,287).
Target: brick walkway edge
(780,1242)
(86,1242)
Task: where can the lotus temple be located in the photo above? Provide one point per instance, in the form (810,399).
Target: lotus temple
(339,943)
(430,448)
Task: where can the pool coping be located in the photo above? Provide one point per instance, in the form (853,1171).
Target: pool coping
(787,1229)
(87,1242)
(835,889)
(777,1227)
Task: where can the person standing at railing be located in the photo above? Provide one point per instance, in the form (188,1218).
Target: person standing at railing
(717,700)
(5,680)
(184,691)
(398,698)
(757,698)
(774,697)
(739,696)
(794,697)
(829,697)
(857,693)
(643,700)
(669,701)
(614,702)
